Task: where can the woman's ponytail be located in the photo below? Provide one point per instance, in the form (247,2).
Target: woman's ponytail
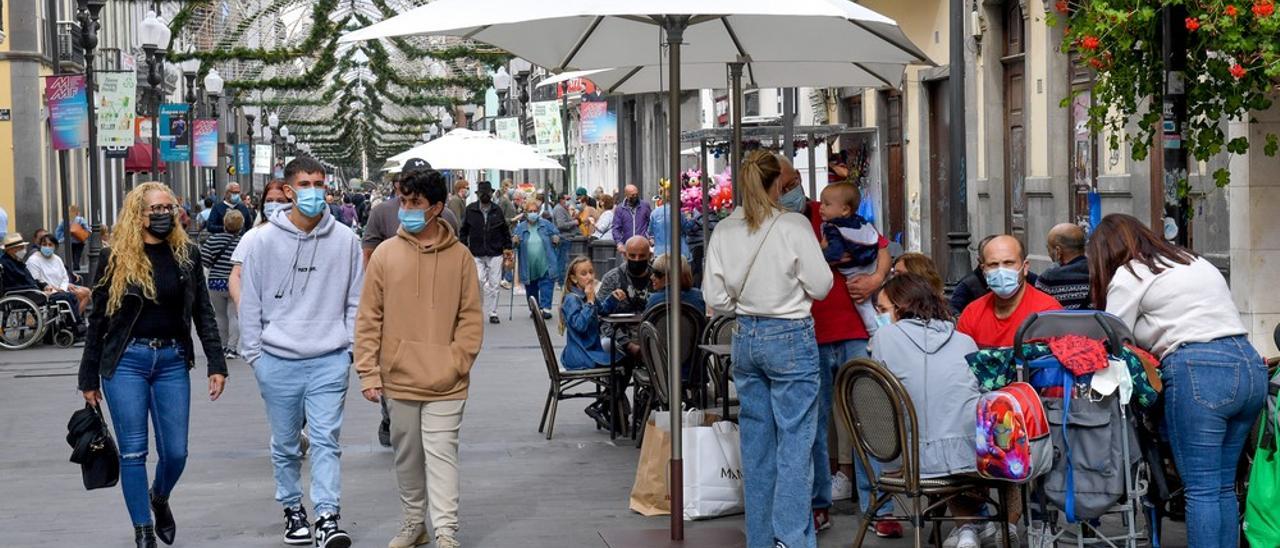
(760,171)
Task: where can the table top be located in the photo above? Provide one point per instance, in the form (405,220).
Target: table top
(719,350)
(622,318)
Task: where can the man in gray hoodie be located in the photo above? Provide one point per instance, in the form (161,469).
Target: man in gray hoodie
(300,290)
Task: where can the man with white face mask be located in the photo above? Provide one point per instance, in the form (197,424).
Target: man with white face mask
(994,318)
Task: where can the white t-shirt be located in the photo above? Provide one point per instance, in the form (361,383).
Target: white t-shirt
(50,270)
(1182,304)
(788,275)
(242,248)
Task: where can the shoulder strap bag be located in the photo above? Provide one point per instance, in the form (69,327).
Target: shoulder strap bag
(734,293)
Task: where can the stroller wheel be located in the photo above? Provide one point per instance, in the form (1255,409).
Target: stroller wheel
(64,338)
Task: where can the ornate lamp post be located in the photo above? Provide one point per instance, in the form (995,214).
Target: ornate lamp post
(190,68)
(87,13)
(249,133)
(154,35)
(502,84)
(273,122)
(213,88)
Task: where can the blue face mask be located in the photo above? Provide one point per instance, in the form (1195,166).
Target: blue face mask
(793,200)
(310,201)
(413,220)
(47,251)
(884,320)
(531,216)
(270,208)
(235,198)
(1004,282)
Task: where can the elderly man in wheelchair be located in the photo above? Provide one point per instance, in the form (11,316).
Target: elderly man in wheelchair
(30,308)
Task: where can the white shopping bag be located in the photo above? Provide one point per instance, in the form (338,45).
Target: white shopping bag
(712,471)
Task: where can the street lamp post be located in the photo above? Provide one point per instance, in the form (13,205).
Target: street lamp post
(190,68)
(273,122)
(249,133)
(502,84)
(213,88)
(154,35)
(88,13)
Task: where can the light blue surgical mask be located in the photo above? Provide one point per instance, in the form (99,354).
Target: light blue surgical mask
(413,220)
(310,201)
(46,250)
(531,216)
(269,209)
(235,198)
(1004,282)
(884,320)
(793,200)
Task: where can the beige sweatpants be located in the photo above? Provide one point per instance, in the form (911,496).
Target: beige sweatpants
(424,436)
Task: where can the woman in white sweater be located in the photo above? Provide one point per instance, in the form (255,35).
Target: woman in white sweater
(1180,307)
(765,267)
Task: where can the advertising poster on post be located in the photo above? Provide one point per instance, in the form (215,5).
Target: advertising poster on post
(262,159)
(173,133)
(242,158)
(599,124)
(206,142)
(68,111)
(547,128)
(507,129)
(117,93)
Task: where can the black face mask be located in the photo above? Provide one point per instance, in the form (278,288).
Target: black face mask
(485,197)
(161,225)
(638,269)
(633,201)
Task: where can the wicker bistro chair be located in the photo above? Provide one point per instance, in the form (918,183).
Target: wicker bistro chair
(719,331)
(882,420)
(651,380)
(562,382)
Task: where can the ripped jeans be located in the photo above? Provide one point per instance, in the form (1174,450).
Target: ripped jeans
(149,382)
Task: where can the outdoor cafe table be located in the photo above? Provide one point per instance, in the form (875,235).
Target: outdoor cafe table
(724,354)
(617,383)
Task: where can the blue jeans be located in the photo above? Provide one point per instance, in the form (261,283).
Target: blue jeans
(775,368)
(831,358)
(313,389)
(543,288)
(562,259)
(1213,393)
(149,381)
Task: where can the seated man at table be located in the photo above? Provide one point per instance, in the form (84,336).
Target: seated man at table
(660,278)
(625,290)
(994,318)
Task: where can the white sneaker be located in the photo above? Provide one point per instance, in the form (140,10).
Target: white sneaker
(990,534)
(841,487)
(968,538)
(505,284)
(519,291)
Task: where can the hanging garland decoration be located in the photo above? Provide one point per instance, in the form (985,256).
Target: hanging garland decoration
(323,65)
(380,65)
(322,31)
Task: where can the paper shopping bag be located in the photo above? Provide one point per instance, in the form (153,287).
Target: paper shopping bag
(712,471)
(649,493)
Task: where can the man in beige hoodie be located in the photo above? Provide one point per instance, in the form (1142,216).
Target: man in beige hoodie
(418,331)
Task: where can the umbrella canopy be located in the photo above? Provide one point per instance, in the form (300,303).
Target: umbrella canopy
(757,74)
(592,34)
(466,149)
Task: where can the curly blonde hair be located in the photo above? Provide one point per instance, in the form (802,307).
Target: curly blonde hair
(129,265)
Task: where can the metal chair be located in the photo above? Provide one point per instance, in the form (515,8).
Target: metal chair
(882,420)
(719,331)
(562,381)
(651,385)
(692,324)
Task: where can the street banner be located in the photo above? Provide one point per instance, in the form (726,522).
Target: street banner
(206,142)
(117,93)
(599,124)
(547,129)
(262,159)
(242,158)
(507,129)
(173,133)
(142,129)
(68,111)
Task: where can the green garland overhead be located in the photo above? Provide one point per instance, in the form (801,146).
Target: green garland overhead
(322,31)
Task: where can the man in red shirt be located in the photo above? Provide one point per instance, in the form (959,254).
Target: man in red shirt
(994,318)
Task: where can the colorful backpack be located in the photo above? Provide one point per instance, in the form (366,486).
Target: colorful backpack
(1013,442)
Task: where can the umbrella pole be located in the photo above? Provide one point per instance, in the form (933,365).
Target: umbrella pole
(706,200)
(735,84)
(675,26)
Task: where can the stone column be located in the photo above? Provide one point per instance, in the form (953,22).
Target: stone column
(1254,197)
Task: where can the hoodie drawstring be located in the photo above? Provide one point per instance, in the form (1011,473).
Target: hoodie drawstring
(287,283)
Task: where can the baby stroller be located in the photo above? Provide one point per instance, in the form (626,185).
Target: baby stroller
(1097,467)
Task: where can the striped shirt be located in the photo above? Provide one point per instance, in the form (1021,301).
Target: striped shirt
(216,254)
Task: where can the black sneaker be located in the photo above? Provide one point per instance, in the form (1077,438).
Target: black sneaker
(296,529)
(328,534)
(494,320)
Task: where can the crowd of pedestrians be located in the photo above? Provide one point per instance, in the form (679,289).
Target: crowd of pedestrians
(306,283)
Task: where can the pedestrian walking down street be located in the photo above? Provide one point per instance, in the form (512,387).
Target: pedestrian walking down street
(418,332)
(300,289)
(566,221)
(231,201)
(138,351)
(216,255)
(485,233)
(536,238)
(775,350)
(630,218)
(1215,383)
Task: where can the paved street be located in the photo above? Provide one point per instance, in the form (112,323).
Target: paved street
(519,490)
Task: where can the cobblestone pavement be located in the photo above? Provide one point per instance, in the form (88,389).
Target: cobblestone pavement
(518,489)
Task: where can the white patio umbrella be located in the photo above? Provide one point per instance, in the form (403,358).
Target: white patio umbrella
(593,34)
(766,74)
(467,149)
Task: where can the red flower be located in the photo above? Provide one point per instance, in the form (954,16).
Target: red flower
(1192,24)
(1238,71)
(1061,6)
(1096,63)
(1090,42)
(1264,8)
(1231,10)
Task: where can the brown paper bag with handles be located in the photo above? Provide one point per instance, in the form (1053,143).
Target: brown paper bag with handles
(651,493)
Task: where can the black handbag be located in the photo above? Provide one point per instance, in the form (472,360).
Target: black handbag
(93,448)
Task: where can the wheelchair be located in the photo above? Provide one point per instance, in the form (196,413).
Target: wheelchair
(29,316)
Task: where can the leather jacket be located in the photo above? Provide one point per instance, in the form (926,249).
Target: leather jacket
(485,234)
(108,335)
